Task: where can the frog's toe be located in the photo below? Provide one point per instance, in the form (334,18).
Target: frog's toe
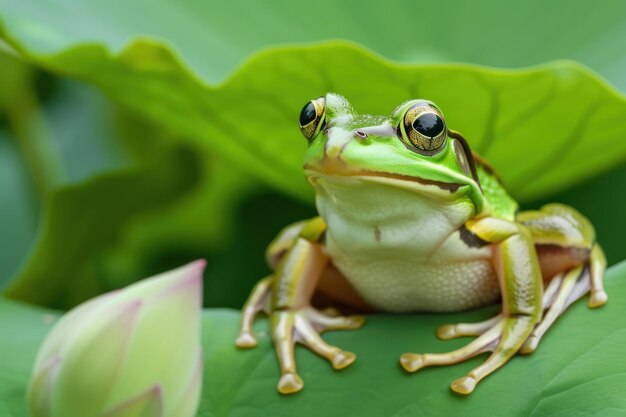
(324,322)
(464,385)
(308,336)
(597,265)
(343,360)
(290,383)
(597,299)
(304,327)
(451,331)
(412,362)
(447,331)
(530,345)
(245,340)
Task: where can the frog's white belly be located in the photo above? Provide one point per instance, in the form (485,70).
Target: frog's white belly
(405,286)
(402,252)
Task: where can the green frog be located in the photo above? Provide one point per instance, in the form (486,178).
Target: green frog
(411,220)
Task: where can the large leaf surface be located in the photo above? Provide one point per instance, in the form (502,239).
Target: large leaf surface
(83,219)
(545,128)
(578,370)
(68,126)
(48,126)
(176,205)
(213,38)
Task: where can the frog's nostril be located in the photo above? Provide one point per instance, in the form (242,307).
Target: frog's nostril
(360,134)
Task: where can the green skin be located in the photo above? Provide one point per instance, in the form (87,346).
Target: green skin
(413,223)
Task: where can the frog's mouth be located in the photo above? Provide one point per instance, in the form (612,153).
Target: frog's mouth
(312,172)
(452,187)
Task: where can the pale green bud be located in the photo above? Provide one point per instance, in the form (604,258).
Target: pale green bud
(131,352)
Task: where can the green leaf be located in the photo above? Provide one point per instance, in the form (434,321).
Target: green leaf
(545,128)
(522,121)
(18,218)
(214,39)
(198,221)
(22,330)
(52,131)
(578,369)
(598,200)
(23,162)
(520,112)
(83,221)
(175,206)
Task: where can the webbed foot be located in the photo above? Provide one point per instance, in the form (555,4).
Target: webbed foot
(289,327)
(563,290)
(304,326)
(501,335)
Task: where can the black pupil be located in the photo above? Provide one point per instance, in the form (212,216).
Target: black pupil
(308,114)
(428,124)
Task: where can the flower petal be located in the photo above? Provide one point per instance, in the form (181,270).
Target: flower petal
(187,403)
(69,324)
(146,404)
(153,286)
(39,396)
(166,338)
(94,359)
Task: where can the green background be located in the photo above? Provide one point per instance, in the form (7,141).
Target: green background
(127,128)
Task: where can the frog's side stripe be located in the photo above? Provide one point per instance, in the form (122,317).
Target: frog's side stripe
(471,239)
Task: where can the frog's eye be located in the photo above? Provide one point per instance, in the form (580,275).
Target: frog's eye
(313,118)
(423,128)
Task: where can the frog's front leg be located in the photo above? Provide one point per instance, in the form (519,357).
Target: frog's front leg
(286,297)
(518,272)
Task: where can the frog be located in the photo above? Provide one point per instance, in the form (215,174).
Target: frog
(411,220)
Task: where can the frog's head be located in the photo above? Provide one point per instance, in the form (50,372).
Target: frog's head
(412,149)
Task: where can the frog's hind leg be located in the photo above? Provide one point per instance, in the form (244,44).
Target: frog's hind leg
(561,291)
(521,287)
(565,239)
(597,265)
(299,262)
(572,263)
(259,300)
(564,289)
(555,245)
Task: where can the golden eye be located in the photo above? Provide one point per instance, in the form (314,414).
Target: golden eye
(313,118)
(424,128)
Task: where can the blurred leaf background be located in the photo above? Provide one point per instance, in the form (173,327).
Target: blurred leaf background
(110,169)
(136,197)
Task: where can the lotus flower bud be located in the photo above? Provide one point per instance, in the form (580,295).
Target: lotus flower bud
(130,352)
